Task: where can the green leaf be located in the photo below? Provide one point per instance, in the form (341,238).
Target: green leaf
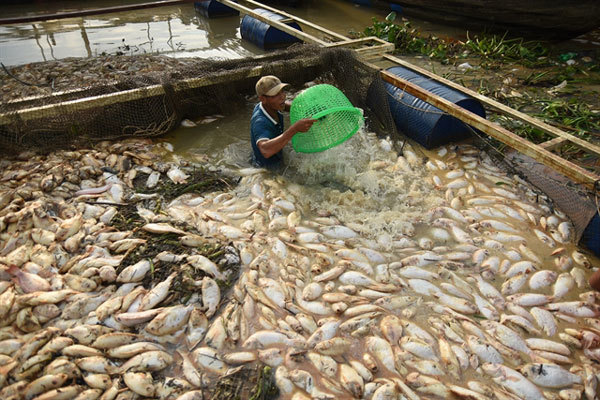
(391,17)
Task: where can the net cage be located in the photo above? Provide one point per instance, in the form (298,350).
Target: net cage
(153,103)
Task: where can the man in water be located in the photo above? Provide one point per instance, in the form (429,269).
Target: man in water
(266,125)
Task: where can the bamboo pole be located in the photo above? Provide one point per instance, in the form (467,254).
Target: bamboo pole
(277,24)
(553,143)
(551,130)
(300,20)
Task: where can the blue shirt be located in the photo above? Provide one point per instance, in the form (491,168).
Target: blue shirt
(264,127)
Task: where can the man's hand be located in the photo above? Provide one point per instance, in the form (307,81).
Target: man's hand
(303,125)
(272,146)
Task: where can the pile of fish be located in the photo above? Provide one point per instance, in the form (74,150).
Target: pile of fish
(48,77)
(486,298)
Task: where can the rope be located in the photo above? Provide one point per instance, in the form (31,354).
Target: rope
(398,99)
(51,84)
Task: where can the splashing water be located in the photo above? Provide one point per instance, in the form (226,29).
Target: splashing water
(362,183)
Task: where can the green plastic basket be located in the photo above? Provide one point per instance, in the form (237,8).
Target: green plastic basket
(337,121)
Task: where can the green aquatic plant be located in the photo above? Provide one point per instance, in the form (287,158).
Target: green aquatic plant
(408,39)
(571,113)
(499,48)
(490,48)
(524,130)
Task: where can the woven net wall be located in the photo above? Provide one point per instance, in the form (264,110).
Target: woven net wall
(152,104)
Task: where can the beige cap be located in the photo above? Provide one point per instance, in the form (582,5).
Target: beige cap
(269,86)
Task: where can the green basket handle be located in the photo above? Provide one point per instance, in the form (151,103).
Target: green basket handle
(323,113)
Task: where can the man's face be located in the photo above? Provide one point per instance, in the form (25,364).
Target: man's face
(276,102)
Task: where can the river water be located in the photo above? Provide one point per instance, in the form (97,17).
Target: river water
(177,31)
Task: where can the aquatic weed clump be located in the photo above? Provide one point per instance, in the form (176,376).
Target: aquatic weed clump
(408,40)
(200,181)
(500,48)
(253,383)
(491,48)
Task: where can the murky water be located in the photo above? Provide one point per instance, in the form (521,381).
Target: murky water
(178,31)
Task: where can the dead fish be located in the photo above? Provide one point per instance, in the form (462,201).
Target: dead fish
(162,228)
(140,383)
(513,381)
(114,339)
(96,190)
(186,123)
(44,384)
(147,362)
(157,294)
(169,320)
(28,282)
(132,349)
(206,265)
(549,375)
(136,318)
(207,358)
(177,175)
(211,296)
(207,120)
(135,272)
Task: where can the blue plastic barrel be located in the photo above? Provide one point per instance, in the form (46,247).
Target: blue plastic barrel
(262,34)
(422,122)
(591,235)
(381,4)
(212,9)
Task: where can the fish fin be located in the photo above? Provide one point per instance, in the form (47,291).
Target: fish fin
(13,269)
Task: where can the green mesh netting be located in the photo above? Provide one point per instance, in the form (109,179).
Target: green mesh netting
(337,119)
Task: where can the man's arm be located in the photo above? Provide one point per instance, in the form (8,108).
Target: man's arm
(270,147)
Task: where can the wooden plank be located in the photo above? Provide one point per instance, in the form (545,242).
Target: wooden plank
(365,40)
(366,51)
(553,143)
(297,19)
(371,51)
(518,143)
(94,11)
(283,27)
(551,130)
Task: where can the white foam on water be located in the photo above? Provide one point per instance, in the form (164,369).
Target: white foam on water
(360,183)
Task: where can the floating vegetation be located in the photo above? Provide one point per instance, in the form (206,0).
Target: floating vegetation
(569,115)
(127,218)
(499,48)
(246,383)
(409,40)
(490,48)
(199,181)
